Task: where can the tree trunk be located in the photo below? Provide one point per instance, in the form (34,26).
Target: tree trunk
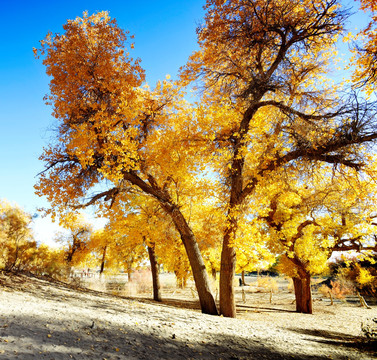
(237,196)
(243,278)
(129,273)
(206,299)
(207,302)
(213,273)
(180,279)
(13,265)
(155,274)
(303,294)
(227,270)
(103,261)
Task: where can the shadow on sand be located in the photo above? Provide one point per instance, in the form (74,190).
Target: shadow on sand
(339,339)
(106,342)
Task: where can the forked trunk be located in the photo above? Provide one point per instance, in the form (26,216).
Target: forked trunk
(227,270)
(207,301)
(155,274)
(303,294)
(237,196)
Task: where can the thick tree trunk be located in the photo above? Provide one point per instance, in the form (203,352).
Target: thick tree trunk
(303,294)
(237,196)
(227,271)
(103,260)
(207,301)
(155,274)
(228,254)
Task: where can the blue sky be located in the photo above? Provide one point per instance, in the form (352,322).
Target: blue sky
(164,38)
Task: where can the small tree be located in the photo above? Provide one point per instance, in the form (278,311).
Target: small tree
(252,253)
(76,241)
(307,223)
(48,261)
(18,247)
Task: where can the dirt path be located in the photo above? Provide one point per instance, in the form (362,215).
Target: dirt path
(47,320)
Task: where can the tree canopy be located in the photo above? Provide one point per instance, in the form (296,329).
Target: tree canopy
(267,115)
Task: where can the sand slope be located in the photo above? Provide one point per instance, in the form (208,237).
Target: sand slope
(48,320)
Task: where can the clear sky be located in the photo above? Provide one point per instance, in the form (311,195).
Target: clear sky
(164,38)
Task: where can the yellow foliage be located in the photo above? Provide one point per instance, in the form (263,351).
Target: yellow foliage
(267,283)
(267,116)
(365,52)
(19,251)
(307,223)
(75,243)
(364,277)
(18,247)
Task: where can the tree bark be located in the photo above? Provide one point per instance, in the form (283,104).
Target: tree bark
(303,294)
(214,274)
(206,299)
(155,274)
(227,271)
(237,196)
(103,260)
(243,278)
(129,273)
(11,266)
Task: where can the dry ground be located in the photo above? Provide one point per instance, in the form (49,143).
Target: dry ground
(40,319)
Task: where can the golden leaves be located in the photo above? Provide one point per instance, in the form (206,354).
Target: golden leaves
(94,95)
(364,58)
(307,218)
(364,277)
(264,67)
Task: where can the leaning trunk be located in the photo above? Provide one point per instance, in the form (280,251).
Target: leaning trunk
(303,294)
(207,301)
(155,274)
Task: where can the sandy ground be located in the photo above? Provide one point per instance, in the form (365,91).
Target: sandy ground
(49,320)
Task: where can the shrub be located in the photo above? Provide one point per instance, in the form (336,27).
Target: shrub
(362,273)
(267,284)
